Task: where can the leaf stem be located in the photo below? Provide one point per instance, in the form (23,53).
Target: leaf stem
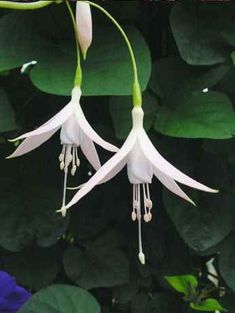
(136,91)
(24,6)
(78,74)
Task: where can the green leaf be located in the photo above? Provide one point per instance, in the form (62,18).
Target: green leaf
(33,267)
(96,267)
(182,283)
(202,31)
(185,110)
(201,115)
(7,119)
(209,305)
(120,109)
(61,299)
(107,70)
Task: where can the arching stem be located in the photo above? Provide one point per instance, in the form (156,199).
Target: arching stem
(137,95)
(24,6)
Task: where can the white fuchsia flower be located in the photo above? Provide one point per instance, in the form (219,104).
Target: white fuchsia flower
(75,131)
(84,26)
(143,161)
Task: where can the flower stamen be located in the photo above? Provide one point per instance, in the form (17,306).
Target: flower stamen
(69,155)
(136,213)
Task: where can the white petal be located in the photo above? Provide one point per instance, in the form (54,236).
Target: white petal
(89,150)
(107,171)
(70,131)
(164,166)
(84,25)
(139,169)
(32,143)
(55,122)
(170,184)
(89,131)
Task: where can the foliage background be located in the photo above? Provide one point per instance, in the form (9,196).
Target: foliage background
(186,47)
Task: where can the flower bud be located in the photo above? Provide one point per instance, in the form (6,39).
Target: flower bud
(84,26)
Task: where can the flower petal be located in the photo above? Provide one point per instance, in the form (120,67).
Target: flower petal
(7,284)
(55,122)
(170,184)
(89,131)
(84,26)
(32,143)
(107,171)
(164,166)
(89,150)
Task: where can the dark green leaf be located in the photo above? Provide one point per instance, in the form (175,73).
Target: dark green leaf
(26,218)
(125,293)
(141,303)
(7,119)
(33,267)
(202,31)
(173,79)
(227,261)
(202,226)
(165,303)
(61,299)
(96,267)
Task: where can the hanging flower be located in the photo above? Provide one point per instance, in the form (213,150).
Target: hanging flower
(75,132)
(143,161)
(12,296)
(84,26)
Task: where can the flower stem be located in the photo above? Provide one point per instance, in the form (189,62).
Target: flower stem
(136,90)
(78,74)
(24,6)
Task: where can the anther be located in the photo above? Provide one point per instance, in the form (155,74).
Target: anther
(146,217)
(61,157)
(149,204)
(133,216)
(78,162)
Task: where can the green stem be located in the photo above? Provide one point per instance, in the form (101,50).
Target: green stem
(137,96)
(24,6)
(78,74)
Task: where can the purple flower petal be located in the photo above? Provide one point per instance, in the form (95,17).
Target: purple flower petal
(12,296)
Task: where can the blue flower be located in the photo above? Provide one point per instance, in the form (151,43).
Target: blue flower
(12,296)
